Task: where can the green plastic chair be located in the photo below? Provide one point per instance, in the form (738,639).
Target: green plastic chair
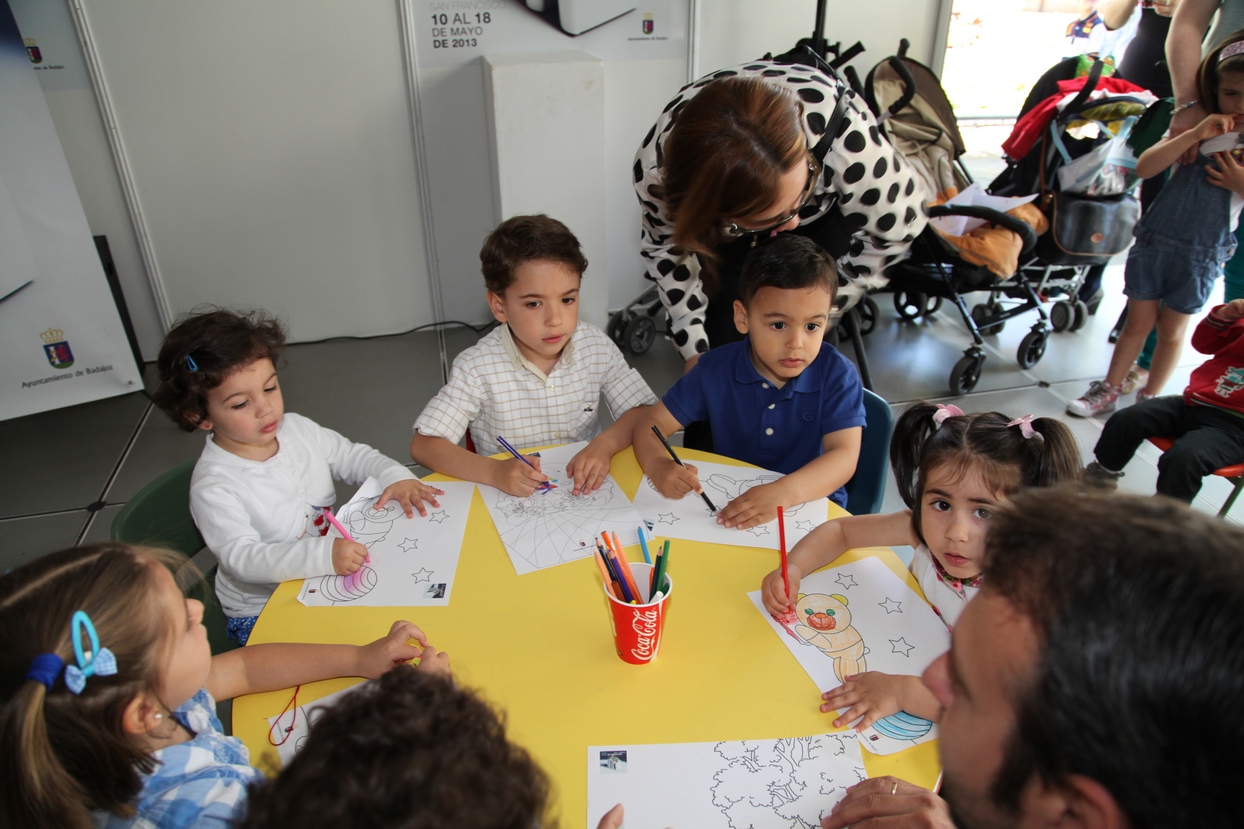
(159,516)
(866,489)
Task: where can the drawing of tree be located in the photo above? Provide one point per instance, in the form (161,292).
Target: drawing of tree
(784,782)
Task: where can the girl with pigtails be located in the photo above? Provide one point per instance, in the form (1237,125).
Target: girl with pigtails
(952,470)
(108,688)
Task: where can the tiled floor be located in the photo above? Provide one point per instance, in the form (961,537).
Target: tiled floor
(64,475)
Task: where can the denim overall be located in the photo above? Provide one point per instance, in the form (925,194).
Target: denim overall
(1181,241)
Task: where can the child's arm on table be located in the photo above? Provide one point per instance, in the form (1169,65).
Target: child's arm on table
(670,479)
(1162,155)
(825,544)
(815,479)
(510,475)
(590,466)
(355,462)
(225,525)
(873,695)
(258,668)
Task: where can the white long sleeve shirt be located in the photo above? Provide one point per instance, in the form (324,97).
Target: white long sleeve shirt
(258,517)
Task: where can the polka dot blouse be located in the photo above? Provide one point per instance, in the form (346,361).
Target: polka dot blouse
(876,190)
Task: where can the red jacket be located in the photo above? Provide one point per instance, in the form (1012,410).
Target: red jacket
(1219,381)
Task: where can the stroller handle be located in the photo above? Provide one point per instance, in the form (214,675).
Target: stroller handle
(909,83)
(1027,235)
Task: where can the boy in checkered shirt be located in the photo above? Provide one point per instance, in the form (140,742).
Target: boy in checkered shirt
(538,378)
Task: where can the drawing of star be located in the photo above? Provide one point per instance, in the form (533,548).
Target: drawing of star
(424,574)
(900,646)
(438,517)
(667,518)
(891,606)
(759,530)
(806,526)
(409,545)
(845,580)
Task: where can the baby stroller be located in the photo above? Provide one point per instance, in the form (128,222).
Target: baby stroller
(1093,221)
(918,119)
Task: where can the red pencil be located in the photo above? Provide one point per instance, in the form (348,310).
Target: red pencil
(782,541)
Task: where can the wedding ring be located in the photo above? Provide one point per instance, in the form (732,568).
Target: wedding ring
(894,788)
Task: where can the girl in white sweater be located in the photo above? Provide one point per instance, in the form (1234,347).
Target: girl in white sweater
(265,478)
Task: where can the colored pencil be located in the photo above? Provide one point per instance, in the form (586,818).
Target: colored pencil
(664,558)
(624,566)
(604,573)
(782,543)
(505,444)
(616,569)
(652,577)
(643,545)
(609,568)
(678,461)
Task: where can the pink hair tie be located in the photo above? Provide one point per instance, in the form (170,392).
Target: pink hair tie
(945,411)
(1025,426)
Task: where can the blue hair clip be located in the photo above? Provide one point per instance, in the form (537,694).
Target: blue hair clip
(191,364)
(95,662)
(45,668)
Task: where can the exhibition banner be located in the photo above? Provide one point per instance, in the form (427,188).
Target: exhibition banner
(454,32)
(61,338)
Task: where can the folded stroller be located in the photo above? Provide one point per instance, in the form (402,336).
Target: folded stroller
(918,119)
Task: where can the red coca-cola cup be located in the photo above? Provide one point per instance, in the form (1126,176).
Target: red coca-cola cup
(637,628)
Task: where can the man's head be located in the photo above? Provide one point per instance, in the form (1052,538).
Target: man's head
(1098,679)
(532,268)
(408,750)
(786,291)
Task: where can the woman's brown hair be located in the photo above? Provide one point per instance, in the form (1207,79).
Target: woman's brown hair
(728,148)
(63,754)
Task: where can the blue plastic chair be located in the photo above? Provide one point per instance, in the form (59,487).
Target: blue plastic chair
(866,489)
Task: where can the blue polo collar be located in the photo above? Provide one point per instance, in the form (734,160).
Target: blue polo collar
(745,372)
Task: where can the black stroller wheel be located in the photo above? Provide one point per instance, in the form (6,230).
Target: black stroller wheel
(869,314)
(1032,348)
(1062,316)
(910,304)
(641,333)
(617,329)
(1081,316)
(982,312)
(966,373)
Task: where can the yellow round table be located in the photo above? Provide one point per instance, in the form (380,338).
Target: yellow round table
(539,648)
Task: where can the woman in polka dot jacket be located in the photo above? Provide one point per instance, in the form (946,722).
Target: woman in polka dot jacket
(739,155)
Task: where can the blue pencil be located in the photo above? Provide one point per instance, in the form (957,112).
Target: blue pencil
(643,545)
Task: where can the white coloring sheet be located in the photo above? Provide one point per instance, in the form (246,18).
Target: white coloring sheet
(290,728)
(689,517)
(413,560)
(744,784)
(861,617)
(554,526)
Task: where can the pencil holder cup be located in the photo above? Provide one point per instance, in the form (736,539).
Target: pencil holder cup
(637,628)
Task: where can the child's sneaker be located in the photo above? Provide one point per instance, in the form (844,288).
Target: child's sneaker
(1145,394)
(1097,476)
(1102,397)
(1135,379)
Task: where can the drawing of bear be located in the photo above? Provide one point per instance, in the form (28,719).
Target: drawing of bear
(371,523)
(825,622)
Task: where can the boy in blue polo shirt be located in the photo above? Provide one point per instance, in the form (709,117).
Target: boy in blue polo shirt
(782,399)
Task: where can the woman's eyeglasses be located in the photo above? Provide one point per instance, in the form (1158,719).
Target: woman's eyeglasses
(734,231)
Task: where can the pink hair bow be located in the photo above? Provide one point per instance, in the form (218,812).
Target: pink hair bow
(1025,426)
(945,411)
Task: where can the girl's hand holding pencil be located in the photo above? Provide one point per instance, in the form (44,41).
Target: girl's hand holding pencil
(773,591)
(348,556)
